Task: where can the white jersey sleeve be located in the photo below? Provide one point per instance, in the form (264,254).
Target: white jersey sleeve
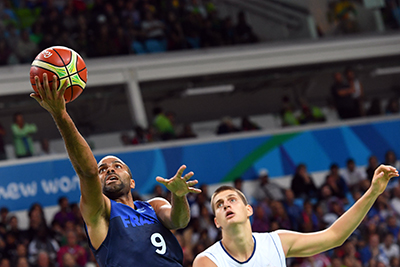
(268,252)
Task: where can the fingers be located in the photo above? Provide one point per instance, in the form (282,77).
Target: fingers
(54,85)
(192,183)
(36,97)
(161,180)
(180,171)
(194,190)
(63,88)
(188,176)
(39,86)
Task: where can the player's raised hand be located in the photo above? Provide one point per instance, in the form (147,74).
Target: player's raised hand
(382,176)
(178,185)
(48,96)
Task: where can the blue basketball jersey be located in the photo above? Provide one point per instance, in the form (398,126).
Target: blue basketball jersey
(137,238)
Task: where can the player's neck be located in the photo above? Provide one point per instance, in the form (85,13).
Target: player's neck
(238,241)
(127,200)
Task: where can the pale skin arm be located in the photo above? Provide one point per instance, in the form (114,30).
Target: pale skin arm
(177,214)
(94,205)
(303,245)
(203,261)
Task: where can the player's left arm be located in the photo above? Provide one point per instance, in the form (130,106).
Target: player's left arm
(177,214)
(307,244)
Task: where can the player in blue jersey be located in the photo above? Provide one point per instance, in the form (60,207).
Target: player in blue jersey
(241,247)
(121,232)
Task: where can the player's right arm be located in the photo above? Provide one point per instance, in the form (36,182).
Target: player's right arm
(203,261)
(307,244)
(94,205)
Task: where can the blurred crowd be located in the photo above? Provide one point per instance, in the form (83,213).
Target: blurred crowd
(305,205)
(102,28)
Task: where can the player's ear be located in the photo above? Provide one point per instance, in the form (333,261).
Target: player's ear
(216,222)
(249,209)
(132,184)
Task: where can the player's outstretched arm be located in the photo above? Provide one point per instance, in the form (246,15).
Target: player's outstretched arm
(303,245)
(177,214)
(78,150)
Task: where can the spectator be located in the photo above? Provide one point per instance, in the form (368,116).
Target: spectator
(373,163)
(317,260)
(391,158)
(22,135)
(337,183)
(279,215)
(309,218)
(358,94)
(267,189)
(3,220)
(174,30)
(287,113)
(389,247)
(226,126)
(187,132)
(342,94)
(392,106)
(44,260)
(310,113)
(373,251)
(243,31)
(13,228)
(163,125)
(293,210)
(354,176)
(345,16)
(43,243)
(5,52)
(302,183)
(154,32)
(22,262)
(73,250)
(25,48)
(141,136)
(228,31)
(395,200)
(393,7)
(45,148)
(21,253)
(260,220)
(158,191)
(248,125)
(210,36)
(392,226)
(374,108)
(4,262)
(10,249)
(64,213)
(68,260)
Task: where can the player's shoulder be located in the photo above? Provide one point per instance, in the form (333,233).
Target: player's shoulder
(202,260)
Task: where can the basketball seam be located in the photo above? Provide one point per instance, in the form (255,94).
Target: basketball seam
(69,76)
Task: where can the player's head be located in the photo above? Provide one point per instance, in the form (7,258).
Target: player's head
(226,188)
(230,207)
(115,177)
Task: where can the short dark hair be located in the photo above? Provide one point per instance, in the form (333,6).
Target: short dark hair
(226,188)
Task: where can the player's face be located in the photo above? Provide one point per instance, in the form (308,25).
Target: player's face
(230,209)
(114,177)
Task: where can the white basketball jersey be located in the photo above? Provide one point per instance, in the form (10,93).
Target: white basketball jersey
(268,252)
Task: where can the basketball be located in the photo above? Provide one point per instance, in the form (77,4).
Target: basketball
(66,64)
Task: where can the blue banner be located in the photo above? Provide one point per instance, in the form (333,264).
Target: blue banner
(44,181)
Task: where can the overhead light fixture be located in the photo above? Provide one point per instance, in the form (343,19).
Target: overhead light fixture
(209,90)
(386,71)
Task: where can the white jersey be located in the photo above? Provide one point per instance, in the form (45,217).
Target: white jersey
(268,252)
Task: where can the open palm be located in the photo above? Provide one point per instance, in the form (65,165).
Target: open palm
(178,185)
